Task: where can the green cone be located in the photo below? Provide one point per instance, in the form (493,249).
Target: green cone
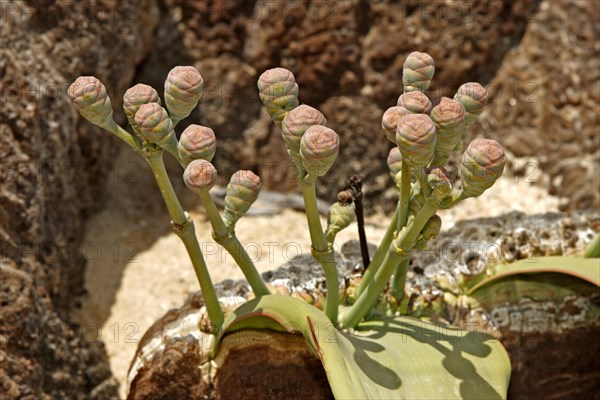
(417,72)
(449,119)
(319,148)
(136,96)
(89,97)
(416,139)
(200,176)
(482,164)
(339,217)
(154,125)
(473,97)
(416,102)
(440,184)
(389,121)
(394,161)
(242,191)
(432,227)
(197,142)
(278,92)
(183,89)
(295,123)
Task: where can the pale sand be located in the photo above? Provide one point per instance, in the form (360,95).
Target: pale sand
(138,269)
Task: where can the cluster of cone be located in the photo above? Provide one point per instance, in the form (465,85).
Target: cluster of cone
(312,146)
(426,136)
(153,126)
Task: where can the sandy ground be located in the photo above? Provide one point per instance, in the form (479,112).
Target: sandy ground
(138,269)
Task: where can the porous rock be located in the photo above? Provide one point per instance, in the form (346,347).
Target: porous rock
(52,169)
(545,102)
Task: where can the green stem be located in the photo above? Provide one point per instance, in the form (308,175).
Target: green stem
(593,251)
(172,146)
(398,252)
(315,229)
(404,196)
(367,299)
(122,134)
(214,216)
(183,226)
(408,238)
(189,239)
(455,198)
(399,279)
(398,222)
(400,274)
(379,254)
(321,251)
(174,208)
(233,246)
(175,121)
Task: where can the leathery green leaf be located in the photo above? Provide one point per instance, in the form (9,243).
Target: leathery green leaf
(542,287)
(587,269)
(389,358)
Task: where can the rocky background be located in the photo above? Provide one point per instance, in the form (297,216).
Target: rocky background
(53,166)
(540,60)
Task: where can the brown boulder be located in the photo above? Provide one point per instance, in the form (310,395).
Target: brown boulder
(467,40)
(52,172)
(546,101)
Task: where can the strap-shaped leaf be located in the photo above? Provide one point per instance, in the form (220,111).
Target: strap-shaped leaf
(587,269)
(390,358)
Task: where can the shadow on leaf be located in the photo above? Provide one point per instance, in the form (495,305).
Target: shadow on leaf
(451,343)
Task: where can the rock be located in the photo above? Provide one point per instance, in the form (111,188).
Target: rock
(467,40)
(52,172)
(318,41)
(546,100)
(175,370)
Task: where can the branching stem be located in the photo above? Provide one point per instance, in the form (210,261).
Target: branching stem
(399,279)
(399,250)
(322,252)
(404,196)
(231,243)
(400,274)
(183,226)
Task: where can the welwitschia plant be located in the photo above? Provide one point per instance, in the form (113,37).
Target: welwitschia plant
(391,356)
